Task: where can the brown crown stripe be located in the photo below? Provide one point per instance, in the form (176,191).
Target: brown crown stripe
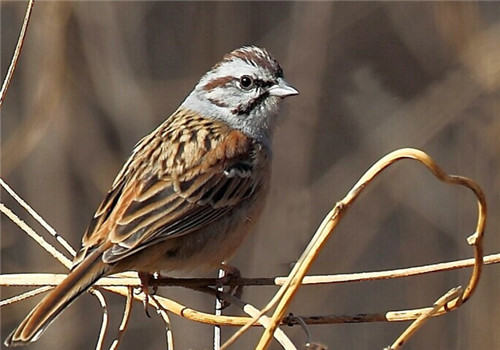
(212,84)
(258,58)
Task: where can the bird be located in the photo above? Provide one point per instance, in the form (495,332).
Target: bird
(190,191)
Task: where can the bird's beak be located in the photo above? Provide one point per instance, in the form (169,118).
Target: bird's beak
(282,89)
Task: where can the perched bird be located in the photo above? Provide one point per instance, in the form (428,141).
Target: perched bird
(191,190)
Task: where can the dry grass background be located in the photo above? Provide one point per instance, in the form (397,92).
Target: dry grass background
(94,77)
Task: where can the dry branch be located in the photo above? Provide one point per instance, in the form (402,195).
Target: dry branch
(105,318)
(17,52)
(124,283)
(125,319)
(333,218)
(50,279)
(419,322)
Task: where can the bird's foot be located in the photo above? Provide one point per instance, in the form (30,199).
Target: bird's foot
(149,287)
(231,276)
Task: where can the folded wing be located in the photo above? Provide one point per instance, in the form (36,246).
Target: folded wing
(154,198)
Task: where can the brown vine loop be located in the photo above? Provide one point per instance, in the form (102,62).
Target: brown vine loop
(475,239)
(333,218)
(121,284)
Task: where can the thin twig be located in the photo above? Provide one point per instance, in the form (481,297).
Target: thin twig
(126,317)
(264,320)
(25,295)
(308,280)
(218,312)
(39,239)
(252,311)
(300,321)
(51,279)
(275,299)
(105,318)
(162,311)
(419,322)
(38,218)
(17,52)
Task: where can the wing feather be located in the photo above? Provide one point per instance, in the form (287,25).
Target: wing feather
(161,195)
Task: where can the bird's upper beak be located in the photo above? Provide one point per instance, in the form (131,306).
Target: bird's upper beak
(282,89)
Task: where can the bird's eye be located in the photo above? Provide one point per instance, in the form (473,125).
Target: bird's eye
(246,82)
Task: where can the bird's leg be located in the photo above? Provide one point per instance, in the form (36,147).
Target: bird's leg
(231,274)
(147,280)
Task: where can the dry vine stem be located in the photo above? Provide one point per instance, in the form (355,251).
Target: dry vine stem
(419,322)
(105,318)
(125,319)
(333,218)
(292,282)
(17,52)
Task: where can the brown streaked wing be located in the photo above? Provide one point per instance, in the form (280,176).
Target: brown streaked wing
(144,208)
(193,208)
(102,213)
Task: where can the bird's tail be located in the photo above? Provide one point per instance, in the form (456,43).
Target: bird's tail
(77,282)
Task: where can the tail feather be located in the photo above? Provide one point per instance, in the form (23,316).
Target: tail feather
(77,282)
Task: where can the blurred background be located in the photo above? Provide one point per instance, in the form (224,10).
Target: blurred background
(94,77)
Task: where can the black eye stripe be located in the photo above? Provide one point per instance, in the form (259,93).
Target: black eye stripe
(257,82)
(263,83)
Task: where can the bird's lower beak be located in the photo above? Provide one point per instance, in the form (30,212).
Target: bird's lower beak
(282,89)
